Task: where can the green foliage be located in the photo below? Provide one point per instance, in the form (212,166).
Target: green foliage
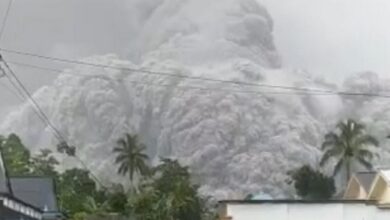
(248,197)
(92,207)
(91,202)
(74,188)
(311,184)
(44,164)
(16,156)
(166,192)
(80,216)
(116,199)
(19,162)
(64,148)
(131,157)
(169,172)
(349,144)
(169,195)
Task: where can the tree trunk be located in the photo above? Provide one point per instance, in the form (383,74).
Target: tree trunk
(348,171)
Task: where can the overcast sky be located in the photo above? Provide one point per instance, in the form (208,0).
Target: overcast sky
(332,38)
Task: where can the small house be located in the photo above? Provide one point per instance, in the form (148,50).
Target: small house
(301,210)
(367,197)
(11,207)
(380,189)
(40,192)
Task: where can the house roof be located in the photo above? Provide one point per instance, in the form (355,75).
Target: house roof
(38,191)
(293,201)
(366,179)
(386,175)
(13,198)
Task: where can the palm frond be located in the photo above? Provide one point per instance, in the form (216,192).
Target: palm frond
(331,139)
(130,156)
(123,169)
(144,170)
(364,140)
(118,150)
(357,127)
(143,156)
(121,158)
(338,167)
(132,139)
(121,142)
(367,154)
(365,163)
(329,154)
(342,125)
(349,143)
(349,129)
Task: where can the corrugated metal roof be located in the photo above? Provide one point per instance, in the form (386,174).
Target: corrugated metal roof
(38,191)
(366,179)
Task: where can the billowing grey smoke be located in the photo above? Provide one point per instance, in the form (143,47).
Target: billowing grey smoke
(234,141)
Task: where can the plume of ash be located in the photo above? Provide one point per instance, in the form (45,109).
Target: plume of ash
(236,142)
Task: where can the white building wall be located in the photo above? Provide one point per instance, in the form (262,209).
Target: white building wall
(302,211)
(358,212)
(382,214)
(316,211)
(257,212)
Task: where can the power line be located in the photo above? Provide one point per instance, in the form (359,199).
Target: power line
(169,74)
(4,23)
(166,85)
(298,90)
(37,67)
(41,113)
(10,90)
(18,92)
(33,102)
(60,137)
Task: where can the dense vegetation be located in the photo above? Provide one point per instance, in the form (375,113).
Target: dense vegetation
(165,191)
(312,184)
(348,144)
(161,192)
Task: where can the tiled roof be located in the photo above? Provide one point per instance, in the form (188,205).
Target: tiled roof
(38,191)
(366,179)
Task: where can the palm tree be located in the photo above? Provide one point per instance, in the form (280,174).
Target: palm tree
(131,157)
(351,144)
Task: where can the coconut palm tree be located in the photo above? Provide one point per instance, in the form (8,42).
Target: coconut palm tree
(348,145)
(131,157)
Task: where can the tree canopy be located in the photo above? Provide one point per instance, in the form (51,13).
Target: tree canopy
(165,192)
(312,184)
(131,157)
(16,156)
(169,195)
(349,144)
